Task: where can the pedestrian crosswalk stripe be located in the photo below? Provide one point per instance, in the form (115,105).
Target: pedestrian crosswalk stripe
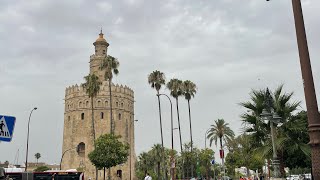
(4,132)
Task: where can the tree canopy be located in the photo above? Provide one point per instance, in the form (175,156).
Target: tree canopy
(109,151)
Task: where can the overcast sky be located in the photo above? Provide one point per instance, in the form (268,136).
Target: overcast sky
(226,47)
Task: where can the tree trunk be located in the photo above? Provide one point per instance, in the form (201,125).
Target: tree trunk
(93,130)
(111,122)
(162,149)
(111,117)
(104,173)
(190,135)
(92,121)
(282,166)
(248,171)
(177,103)
(158,170)
(207,172)
(222,158)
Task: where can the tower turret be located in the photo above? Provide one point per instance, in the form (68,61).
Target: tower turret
(101,47)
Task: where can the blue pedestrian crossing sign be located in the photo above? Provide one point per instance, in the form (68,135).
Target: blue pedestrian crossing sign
(6,127)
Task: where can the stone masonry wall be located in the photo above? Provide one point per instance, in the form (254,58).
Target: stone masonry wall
(78,126)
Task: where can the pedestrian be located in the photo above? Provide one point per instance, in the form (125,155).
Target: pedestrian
(2,173)
(148,177)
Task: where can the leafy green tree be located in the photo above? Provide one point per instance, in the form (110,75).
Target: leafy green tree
(41,169)
(109,152)
(37,156)
(205,158)
(189,90)
(221,131)
(157,79)
(150,162)
(188,160)
(243,154)
(294,135)
(110,65)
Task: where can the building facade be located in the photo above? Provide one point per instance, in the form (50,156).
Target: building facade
(77,134)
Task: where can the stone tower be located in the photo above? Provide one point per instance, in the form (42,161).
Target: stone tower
(77,120)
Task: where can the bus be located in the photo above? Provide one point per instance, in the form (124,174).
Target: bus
(52,175)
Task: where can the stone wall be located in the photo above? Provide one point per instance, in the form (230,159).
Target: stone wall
(78,125)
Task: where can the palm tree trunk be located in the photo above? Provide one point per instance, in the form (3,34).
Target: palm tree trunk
(190,135)
(158,170)
(111,122)
(207,170)
(222,157)
(182,170)
(163,164)
(92,121)
(111,118)
(93,131)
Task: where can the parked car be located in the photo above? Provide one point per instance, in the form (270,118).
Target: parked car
(293,177)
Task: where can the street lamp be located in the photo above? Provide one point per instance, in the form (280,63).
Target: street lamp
(65,153)
(130,144)
(309,91)
(205,138)
(270,115)
(172,157)
(35,108)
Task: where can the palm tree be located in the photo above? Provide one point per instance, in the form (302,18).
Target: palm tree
(156,79)
(92,87)
(189,90)
(37,156)
(176,90)
(110,64)
(260,130)
(220,130)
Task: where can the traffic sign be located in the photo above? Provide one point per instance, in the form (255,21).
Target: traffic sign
(6,127)
(212,162)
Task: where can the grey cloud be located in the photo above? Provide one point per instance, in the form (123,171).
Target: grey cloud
(226,47)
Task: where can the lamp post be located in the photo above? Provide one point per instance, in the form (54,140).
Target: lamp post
(309,91)
(65,153)
(35,108)
(130,144)
(270,115)
(205,138)
(172,166)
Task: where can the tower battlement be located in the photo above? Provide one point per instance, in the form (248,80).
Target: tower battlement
(78,90)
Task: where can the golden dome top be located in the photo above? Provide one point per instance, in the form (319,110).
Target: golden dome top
(101,39)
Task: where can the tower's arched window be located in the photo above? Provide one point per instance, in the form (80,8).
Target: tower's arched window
(119,116)
(68,118)
(117,104)
(87,103)
(101,115)
(82,116)
(104,51)
(99,103)
(122,105)
(106,103)
(80,104)
(81,149)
